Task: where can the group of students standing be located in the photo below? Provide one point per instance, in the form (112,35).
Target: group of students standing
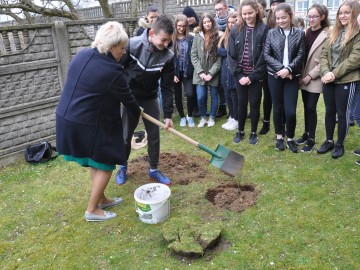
(255,54)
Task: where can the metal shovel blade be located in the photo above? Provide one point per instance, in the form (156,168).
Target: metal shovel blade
(231,162)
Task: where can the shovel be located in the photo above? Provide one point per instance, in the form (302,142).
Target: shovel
(222,158)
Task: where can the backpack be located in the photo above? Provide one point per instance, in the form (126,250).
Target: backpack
(40,152)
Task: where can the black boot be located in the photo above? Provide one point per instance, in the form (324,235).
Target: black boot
(221,111)
(265,128)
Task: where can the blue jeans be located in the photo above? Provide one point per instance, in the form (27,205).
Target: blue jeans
(201,99)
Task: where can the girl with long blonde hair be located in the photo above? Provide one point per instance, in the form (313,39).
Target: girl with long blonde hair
(339,68)
(184,69)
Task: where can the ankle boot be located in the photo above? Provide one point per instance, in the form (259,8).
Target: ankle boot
(221,111)
(265,128)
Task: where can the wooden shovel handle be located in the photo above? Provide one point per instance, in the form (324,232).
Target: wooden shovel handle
(171,130)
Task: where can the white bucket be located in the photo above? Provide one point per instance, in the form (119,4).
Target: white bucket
(152,202)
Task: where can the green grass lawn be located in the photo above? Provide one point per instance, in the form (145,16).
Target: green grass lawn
(306,217)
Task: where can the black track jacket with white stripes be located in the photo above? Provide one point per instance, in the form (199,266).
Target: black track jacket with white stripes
(144,65)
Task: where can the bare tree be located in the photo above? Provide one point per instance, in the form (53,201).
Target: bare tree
(24,11)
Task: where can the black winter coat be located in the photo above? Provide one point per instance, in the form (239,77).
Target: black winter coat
(274,50)
(88,121)
(226,78)
(236,51)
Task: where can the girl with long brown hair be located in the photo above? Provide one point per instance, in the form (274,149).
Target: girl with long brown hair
(246,61)
(207,64)
(310,81)
(284,53)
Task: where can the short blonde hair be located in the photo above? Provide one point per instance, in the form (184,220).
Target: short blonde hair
(109,34)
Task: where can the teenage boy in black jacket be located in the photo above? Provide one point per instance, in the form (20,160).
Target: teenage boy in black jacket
(147,60)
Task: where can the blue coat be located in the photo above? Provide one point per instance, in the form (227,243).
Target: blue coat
(88,121)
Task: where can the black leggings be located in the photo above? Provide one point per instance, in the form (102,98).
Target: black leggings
(252,94)
(188,88)
(267,103)
(310,101)
(336,98)
(284,95)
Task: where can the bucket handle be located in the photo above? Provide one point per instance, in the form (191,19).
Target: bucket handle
(151,211)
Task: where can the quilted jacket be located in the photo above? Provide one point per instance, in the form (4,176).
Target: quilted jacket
(274,50)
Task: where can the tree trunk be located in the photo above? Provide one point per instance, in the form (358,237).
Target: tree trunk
(105,8)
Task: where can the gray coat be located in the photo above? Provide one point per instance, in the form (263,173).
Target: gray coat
(203,62)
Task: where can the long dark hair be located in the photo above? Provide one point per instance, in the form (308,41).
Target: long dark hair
(323,11)
(214,34)
(254,5)
(287,8)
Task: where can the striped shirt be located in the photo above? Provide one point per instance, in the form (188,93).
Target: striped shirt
(245,63)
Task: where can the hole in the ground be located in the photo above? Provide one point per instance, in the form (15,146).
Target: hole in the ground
(233,197)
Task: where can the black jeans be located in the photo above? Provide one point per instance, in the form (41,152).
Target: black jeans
(252,94)
(267,103)
(284,95)
(337,99)
(151,107)
(232,102)
(189,91)
(310,101)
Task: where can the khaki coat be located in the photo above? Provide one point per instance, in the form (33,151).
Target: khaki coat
(349,68)
(203,63)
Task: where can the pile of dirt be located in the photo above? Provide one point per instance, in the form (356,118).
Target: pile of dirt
(182,169)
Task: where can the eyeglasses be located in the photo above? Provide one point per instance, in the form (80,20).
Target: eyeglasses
(219,9)
(312,18)
(346,13)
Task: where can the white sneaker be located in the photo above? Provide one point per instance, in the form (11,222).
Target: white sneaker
(211,122)
(202,122)
(227,122)
(183,122)
(232,125)
(190,120)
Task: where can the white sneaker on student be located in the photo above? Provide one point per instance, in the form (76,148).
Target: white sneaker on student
(227,122)
(202,122)
(183,122)
(190,120)
(232,125)
(211,122)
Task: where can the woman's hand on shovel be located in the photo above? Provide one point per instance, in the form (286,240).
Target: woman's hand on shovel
(168,123)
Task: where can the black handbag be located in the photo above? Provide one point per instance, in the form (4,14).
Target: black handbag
(40,152)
